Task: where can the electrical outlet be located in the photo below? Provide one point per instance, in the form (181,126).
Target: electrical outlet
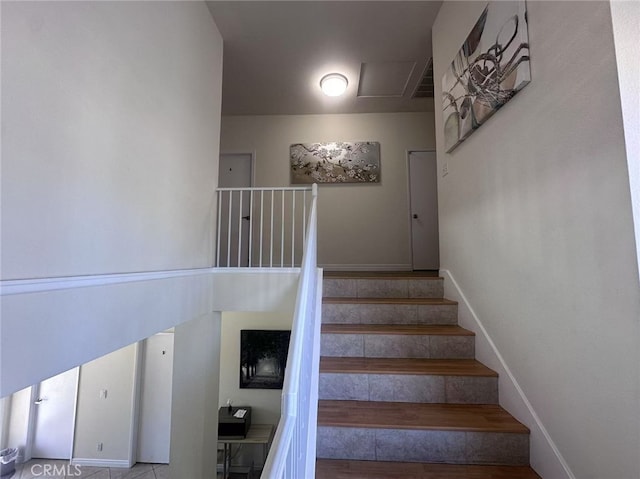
(445,169)
(99,447)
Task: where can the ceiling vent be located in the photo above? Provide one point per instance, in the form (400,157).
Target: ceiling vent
(425,87)
(384,79)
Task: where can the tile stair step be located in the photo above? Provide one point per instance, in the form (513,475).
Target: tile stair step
(374,300)
(397,341)
(345,469)
(381,274)
(399,286)
(452,381)
(402,329)
(389,310)
(417,432)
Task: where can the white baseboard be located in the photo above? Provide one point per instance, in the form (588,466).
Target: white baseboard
(545,454)
(101,462)
(366,267)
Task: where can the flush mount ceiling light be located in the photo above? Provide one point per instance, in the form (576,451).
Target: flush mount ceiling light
(333,84)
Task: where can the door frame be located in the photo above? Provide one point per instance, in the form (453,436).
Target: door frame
(31,421)
(408,165)
(141,349)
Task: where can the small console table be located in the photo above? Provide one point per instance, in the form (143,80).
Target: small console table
(257,434)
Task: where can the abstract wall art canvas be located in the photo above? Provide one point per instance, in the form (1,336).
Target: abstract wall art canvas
(490,68)
(337,162)
(263,358)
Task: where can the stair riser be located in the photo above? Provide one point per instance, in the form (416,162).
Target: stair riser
(383,288)
(397,346)
(409,388)
(454,447)
(363,313)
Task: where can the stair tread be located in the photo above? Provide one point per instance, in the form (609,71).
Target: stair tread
(413,366)
(349,469)
(417,301)
(382,275)
(394,415)
(401,329)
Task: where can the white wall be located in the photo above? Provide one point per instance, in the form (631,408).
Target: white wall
(106,420)
(194,416)
(359,226)
(536,227)
(111,114)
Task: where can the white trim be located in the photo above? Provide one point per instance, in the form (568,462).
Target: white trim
(21,286)
(31,422)
(366,267)
(409,217)
(480,329)
(267,188)
(100,462)
(75,413)
(244,270)
(138,353)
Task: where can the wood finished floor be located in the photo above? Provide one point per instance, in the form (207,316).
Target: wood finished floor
(441,417)
(418,366)
(336,469)
(404,329)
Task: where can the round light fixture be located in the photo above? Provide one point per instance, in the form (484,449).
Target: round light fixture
(333,84)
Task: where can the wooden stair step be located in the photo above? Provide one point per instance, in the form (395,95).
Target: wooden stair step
(395,329)
(418,416)
(413,366)
(348,469)
(395,301)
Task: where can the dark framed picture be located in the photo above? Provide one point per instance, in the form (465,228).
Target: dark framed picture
(263,358)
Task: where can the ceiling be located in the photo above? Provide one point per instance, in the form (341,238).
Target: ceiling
(275,53)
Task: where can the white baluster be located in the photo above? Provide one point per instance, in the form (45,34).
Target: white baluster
(229,231)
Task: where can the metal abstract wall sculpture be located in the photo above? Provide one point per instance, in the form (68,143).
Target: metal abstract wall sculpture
(490,68)
(337,162)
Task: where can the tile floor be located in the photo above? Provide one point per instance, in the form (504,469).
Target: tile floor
(38,469)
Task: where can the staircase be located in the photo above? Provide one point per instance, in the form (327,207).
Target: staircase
(401,394)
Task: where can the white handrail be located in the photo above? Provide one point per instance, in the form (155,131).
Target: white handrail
(293,451)
(245,239)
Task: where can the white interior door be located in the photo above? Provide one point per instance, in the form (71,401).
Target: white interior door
(423,184)
(54,410)
(235,172)
(154,433)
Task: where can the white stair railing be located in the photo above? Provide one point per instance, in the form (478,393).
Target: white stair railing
(293,451)
(261,227)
